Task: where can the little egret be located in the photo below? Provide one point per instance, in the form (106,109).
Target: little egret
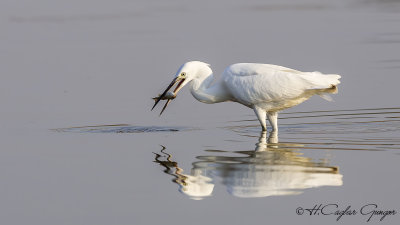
(265,88)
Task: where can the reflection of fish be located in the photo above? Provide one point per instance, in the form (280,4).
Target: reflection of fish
(268,171)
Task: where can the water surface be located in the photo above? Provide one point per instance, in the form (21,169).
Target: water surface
(81,146)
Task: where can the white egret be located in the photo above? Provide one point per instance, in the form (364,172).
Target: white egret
(265,88)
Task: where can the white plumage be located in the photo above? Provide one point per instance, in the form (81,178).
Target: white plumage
(265,88)
(272,87)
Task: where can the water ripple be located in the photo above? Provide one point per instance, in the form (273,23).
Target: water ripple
(121,128)
(349,129)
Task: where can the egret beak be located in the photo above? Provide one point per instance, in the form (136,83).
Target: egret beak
(174,81)
(165,106)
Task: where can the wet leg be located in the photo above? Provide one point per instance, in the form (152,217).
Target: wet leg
(273,120)
(261,115)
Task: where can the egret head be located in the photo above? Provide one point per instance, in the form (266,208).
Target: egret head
(185,74)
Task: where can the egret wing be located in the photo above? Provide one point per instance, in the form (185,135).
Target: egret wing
(253,83)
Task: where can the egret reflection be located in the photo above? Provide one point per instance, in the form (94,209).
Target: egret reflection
(196,185)
(271,170)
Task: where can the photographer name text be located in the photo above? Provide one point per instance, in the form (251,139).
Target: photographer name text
(371,211)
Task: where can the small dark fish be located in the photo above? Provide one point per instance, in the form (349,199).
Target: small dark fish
(168,96)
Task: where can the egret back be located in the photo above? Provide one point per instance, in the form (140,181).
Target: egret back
(273,87)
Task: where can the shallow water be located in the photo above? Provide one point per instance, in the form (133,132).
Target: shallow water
(356,129)
(81,146)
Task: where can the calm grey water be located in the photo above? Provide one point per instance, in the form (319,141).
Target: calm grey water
(79,144)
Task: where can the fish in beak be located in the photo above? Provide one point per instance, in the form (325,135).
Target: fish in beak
(167,95)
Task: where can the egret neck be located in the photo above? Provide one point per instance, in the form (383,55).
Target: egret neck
(204,91)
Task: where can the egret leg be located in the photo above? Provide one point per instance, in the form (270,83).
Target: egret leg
(261,115)
(273,120)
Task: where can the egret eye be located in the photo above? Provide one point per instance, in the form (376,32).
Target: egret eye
(183,74)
